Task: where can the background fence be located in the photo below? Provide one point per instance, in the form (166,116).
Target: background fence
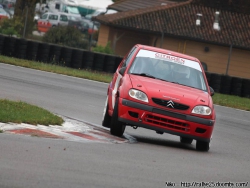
(82,59)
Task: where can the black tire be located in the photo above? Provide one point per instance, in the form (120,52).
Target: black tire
(118,60)
(54,54)
(236,86)
(9,46)
(225,84)
(32,49)
(21,48)
(2,38)
(109,63)
(202,146)
(117,128)
(43,52)
(106,121)
(98,62)
(88,60)
(186,140)
(215,81)
(76,58)
(65,57)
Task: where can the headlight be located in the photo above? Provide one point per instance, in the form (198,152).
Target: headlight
(139,95)
(202,110)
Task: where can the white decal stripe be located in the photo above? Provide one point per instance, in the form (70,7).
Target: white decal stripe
(170,58)
(115,89)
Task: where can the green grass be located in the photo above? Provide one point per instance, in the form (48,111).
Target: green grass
(21,112)
(232,101)
(81,73)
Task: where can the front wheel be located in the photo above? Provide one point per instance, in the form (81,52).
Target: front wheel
(186,140)
(117,128)
(202,146)
(106,120)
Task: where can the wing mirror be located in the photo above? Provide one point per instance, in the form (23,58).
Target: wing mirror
(211,91)
(122,70)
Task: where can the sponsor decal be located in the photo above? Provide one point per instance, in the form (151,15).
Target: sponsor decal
(171,98)
(170,58)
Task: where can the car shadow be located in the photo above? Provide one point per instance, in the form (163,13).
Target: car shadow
(163,142)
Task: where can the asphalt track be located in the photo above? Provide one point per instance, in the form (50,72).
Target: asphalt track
(150,161)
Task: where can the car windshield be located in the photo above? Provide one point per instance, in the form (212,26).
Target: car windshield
(168,68)
(73,10)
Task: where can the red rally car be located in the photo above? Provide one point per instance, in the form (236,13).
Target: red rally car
(164,91)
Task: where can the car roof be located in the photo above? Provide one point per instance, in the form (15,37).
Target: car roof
(165,51)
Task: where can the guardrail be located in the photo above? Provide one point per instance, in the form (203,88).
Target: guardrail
(83,59)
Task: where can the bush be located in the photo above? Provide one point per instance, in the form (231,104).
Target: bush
(107,49)
(66,36)
(11,27)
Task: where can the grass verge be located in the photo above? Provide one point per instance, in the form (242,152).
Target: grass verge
(21,112)
(80,73)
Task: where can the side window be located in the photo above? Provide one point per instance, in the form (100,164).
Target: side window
(57,6)
(63,18)
(129,57)
(45,16)
(53,17)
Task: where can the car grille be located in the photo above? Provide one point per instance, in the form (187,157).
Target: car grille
(170,104)
(177,125)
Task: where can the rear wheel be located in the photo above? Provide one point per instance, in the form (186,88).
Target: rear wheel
(117,128)
(202,146)
(106,120)
(186,140)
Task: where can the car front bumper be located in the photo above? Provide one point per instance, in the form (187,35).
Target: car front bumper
(160,120)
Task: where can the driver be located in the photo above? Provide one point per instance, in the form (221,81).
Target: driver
(180,74)
(143,65)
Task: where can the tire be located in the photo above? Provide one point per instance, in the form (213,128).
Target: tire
(54,55)
(65,57)
(21,48)
(99,62)
(202,146)
(43,52)
(88,60)
(236,86)
(76,58)
(117,128)
(106,120)
(109,63)
(215,81)
(32,49)
(186,140)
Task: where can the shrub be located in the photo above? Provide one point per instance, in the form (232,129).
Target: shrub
(67,36)
(11,27)
(107,49)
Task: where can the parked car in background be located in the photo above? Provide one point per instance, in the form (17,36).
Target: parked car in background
(163,91)
(74,20)
(4,14)
(10,11)
(92,26)
(8,3)
(84,25)
(49,20)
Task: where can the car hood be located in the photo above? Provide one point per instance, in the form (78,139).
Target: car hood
(155,88)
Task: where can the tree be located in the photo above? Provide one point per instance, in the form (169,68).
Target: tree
(23,8)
